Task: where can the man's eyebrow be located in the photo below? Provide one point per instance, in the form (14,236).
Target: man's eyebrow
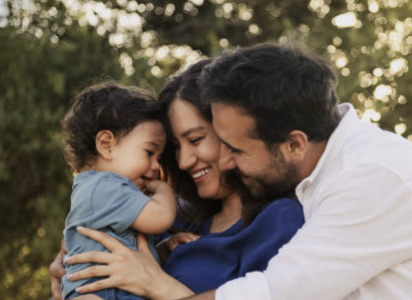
(233,149)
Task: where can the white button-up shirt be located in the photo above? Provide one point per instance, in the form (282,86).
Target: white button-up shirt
(357,239)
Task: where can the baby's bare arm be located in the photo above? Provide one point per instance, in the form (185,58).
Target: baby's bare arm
(159,213)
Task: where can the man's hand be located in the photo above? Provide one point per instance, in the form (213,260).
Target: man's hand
(57,271)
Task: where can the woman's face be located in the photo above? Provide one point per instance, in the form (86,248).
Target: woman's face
(197,149)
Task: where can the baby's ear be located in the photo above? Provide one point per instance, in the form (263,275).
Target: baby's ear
(105,141)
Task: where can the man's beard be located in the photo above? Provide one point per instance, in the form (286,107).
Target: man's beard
(283,184)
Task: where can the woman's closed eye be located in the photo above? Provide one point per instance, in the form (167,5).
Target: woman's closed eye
(195,141)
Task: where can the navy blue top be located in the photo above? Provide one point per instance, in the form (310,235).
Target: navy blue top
(216,258)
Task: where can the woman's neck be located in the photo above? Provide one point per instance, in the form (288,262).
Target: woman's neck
(229,215)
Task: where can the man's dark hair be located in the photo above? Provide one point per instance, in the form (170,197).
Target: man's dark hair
(282,87)
(104,106)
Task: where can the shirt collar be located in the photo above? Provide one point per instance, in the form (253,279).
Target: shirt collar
(81,176)
(347,126)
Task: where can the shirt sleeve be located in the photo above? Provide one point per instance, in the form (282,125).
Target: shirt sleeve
(116,203)
(360,228)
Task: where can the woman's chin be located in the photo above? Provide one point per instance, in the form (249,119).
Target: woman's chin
(213,193)
(207,194)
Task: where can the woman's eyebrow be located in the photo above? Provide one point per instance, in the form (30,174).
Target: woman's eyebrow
(191,130)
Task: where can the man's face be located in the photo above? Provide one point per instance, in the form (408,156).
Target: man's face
(266,173)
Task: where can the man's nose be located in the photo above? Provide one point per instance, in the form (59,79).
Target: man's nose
(226,160)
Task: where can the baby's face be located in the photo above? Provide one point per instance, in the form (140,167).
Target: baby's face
(136,155)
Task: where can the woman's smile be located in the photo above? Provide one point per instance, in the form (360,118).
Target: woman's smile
(200,175)
(197,174)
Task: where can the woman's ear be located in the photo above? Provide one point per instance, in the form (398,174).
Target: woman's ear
(105,141)
(297,144)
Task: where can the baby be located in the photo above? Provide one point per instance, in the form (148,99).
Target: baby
(114,137)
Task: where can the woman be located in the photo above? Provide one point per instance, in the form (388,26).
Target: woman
(238,234)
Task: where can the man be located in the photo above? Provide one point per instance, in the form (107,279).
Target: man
(276,112)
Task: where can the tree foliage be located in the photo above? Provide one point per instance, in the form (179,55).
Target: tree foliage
(51,49)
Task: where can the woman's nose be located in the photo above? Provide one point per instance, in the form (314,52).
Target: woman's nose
(186,158)
(226,160)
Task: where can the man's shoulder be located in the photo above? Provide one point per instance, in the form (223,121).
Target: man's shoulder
(380,150)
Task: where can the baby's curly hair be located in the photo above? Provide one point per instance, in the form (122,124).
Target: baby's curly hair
(104,106)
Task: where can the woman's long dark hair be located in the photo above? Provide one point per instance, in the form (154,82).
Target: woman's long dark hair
(192,208)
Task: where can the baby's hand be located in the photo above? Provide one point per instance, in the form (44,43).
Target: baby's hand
(154,186)
(179,239)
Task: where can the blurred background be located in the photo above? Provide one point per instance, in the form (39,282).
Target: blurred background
(51,49)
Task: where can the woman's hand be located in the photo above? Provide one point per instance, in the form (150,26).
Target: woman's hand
(57,272)
(165,247)
(180,238)
(135,272)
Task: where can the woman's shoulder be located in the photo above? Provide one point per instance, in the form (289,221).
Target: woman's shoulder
(281,211)
(283,203)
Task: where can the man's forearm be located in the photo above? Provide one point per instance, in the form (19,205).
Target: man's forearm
(210,295)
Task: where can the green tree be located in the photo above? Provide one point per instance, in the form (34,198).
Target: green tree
(38,79)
